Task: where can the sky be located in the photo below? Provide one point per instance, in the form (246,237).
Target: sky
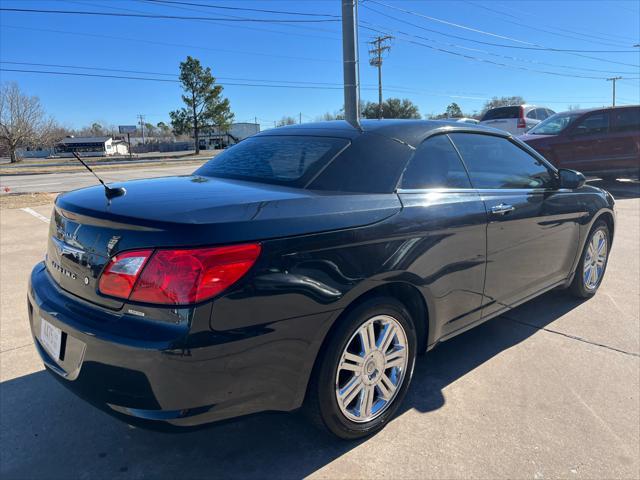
(442,51)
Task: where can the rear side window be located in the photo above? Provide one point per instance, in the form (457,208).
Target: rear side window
(593,124)
(626,120)
(501,113)
(533,114)
(285,160)
(435,164)
(495,162)
(541,113)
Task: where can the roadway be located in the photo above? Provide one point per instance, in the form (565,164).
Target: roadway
(65,181)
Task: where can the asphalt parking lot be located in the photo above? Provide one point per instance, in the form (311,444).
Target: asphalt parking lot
(550,390)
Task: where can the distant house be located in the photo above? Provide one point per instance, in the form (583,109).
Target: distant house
(212,137)
(91,147)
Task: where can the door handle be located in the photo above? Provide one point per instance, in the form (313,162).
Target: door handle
(502,209)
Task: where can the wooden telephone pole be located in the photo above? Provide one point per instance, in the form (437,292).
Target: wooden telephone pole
(375,60)
(613,80)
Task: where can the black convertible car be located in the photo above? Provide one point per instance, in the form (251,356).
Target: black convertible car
(305,267)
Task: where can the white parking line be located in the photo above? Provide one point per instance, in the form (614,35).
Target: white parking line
(41,184)
(35,214)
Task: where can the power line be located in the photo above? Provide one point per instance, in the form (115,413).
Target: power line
(521,47)
(244,9)
(306,27)
(224,77)
(166,80)
(551,32)
(508,57)
(530,45)
(603,36)
(168,44)
(164,17)
(318,86)
(126,77)
(504,65)
(146,72)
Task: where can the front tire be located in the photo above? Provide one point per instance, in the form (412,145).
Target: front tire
(365,370)
(593,262)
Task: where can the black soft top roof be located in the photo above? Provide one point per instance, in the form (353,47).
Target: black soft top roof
(408,131)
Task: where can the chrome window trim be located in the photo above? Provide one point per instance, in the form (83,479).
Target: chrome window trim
(482,190)
(435,190)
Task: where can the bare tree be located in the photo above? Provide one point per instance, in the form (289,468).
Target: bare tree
(23,122)
(286,120)
(503,102)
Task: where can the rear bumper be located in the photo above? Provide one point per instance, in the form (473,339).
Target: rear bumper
(180,375)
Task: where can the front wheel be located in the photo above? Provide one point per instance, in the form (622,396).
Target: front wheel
(593,262)
(365,370)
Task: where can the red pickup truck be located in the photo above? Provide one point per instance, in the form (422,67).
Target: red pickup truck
(602,142)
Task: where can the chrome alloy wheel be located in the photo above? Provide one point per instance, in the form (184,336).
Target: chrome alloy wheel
(594,260)
(371,368)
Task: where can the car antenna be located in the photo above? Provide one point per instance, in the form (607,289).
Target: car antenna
(110,192)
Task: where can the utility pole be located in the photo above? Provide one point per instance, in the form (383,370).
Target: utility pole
(141,122)
(375,60)
(300,117)
(613,80)
(351,78)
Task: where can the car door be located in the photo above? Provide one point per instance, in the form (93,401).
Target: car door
(533,226)
(584,146)
(444,223)
(623,142)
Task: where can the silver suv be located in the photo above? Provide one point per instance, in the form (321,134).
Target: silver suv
(515,119)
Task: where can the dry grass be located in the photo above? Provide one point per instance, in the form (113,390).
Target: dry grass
(22,200)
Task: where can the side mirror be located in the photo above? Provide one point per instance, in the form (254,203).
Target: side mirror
(571,179)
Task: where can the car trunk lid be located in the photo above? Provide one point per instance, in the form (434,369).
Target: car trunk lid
(87,229)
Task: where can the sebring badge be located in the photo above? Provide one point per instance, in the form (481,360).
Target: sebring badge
(67,273)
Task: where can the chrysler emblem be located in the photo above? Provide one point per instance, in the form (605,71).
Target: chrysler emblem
(66,249)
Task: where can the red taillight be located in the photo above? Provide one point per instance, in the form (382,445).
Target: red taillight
(185,276)
(522,123)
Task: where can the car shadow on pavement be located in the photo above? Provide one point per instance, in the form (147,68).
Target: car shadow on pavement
(46,432)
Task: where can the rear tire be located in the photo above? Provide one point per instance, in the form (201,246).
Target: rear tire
(365,370)
(593,262)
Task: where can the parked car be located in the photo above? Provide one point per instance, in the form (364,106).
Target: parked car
(515,119)
(468,120)
(603,142)
(279,276)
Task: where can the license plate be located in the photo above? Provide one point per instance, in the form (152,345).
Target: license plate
(51,338)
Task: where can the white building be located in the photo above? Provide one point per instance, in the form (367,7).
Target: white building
(91,147)
(213,137)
